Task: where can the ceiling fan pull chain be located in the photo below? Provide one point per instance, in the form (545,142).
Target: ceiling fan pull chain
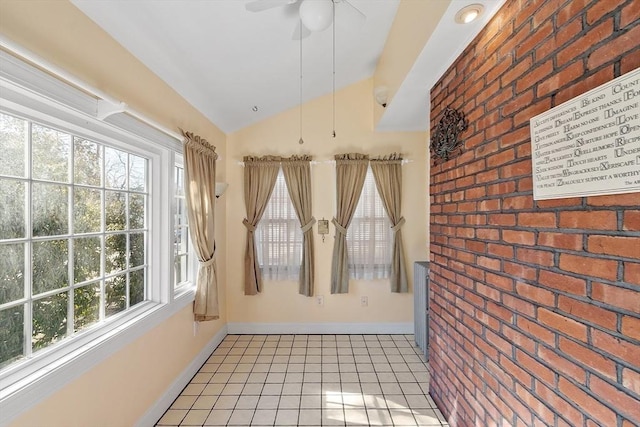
(300,141)
(334,68)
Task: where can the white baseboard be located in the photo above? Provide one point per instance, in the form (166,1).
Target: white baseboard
(320,328)
(151,417)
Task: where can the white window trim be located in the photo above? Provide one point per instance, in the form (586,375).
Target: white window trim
(188,286)
(33,94)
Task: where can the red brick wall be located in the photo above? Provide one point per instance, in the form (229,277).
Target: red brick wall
(535,305)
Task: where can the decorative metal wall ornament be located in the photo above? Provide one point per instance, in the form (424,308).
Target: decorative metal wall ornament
(445,141)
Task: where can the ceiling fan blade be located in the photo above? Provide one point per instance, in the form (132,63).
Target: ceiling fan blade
(351,14)
(260,5)
(300,32)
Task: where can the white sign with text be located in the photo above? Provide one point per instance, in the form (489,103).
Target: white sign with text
(589,145)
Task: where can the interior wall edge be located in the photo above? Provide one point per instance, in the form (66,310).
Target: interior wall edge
(155,412)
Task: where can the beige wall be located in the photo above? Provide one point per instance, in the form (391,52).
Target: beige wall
(280,302)
(412,26)
(120,390)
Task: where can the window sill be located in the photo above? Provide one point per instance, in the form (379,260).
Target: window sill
(62,365)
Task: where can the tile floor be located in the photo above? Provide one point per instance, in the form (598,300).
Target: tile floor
(309,380)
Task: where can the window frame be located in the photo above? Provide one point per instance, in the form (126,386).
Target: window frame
(275,272)
(378,271)
(28,92)
(192,259)
(29,240)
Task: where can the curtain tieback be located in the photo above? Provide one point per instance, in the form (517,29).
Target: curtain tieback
(251,228)
(208,262)
(308,225)
(339,228)
(400,223)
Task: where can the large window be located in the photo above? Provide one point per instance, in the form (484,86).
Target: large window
(73,235)
(89,213)
(369,237)
(278,236)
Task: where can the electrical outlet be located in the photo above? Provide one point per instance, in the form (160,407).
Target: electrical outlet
(364,301)
(320,300)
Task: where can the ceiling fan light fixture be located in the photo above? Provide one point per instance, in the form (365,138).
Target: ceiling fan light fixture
(469,13)
(316,15)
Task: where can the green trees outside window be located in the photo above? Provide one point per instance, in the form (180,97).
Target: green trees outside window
(73,234)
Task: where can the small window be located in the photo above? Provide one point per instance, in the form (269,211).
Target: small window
(369,237)
(183,260)
(278,236)
(73,235)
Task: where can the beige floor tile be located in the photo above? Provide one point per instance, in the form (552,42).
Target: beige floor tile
(268,402)
(183,402)
(218,417)
(356,417)
(371,388)
(352,400)
(264,417)
(287,417)
(239,377)
(193,389)
(272,389)
(426,417)
(195,417)
(232,389)
(201,378)
(311,401)
(252,389)
(351,387)
(209,367)
(333,417)
(311,388)
(417,401)
(172,417)
(289,402)
(241,417)
(310,417)
(205,402)
(213,389)
(292,388)
(247,402)
(375,401)
(226,402)
(402,417)
(257,377)
(390,388)
(411,388)
(379,417)
(227,367)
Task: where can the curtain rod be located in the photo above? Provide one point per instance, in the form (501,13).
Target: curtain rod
(117,106)
(314,162)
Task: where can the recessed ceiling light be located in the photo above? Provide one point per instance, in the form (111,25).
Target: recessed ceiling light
(469,13)
(255,109)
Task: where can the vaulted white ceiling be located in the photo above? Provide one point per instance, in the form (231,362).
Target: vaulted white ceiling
(225,60)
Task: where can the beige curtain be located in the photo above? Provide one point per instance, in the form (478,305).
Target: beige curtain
(297,175)
(260,174)
(387,172)
(351,170)
(200,190)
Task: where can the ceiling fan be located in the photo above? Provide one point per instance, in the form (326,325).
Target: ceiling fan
(315,15)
